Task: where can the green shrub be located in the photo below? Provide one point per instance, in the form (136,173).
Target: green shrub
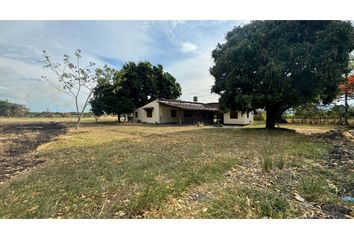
(260,116)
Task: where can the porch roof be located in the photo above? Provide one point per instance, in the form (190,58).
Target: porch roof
(190,105)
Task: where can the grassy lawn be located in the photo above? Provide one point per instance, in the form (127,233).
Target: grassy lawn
(147,171)
(5,120)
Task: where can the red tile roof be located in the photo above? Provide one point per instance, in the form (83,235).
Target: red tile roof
(190,105)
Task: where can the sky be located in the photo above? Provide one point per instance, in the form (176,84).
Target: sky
(182,47)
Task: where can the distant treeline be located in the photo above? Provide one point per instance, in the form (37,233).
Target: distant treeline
(313,114)
(8,109)
(318,111)
(57,114)
(317,114)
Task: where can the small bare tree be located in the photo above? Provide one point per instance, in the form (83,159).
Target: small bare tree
(74,80)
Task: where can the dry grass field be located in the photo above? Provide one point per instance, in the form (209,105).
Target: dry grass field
(111,170)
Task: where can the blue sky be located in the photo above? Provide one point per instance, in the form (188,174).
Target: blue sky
(182,47)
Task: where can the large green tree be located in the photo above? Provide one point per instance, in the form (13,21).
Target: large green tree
(165,84)
(277,65)
(108,94)
(119,92)
(9,109)
(144,82)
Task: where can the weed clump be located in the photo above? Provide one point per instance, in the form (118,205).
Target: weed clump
(267,164)
(249,203)
(269,161)
(314,188)
(280,162)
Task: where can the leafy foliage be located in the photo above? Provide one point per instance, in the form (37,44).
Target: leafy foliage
(120,92)
(144,82)
(108,97)
(348,86)
(277,65)
(9,109)
(312,110)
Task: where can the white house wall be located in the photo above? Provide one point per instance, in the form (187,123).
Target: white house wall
(242,118)
(142,115)
(165,114)
(162,114)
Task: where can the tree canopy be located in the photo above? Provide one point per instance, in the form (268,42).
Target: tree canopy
(144,82)
(312,110)
(9,109)
(347,87)
(277,65)
(120,92)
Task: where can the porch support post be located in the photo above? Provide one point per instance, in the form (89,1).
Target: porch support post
(180,116)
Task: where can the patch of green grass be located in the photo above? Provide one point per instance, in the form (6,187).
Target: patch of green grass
(280,161)
(151,196)
(248,203)
(314,188)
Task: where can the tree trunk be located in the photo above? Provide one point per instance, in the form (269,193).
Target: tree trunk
(346,108)
(118,117)
(78,114)
(273,114)
(270,121)
(78,122)
(180,116)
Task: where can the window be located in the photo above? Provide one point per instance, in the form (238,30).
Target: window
(187,114)
(149,113)
(248,114)
(173,113)
(136,114)
(233,115)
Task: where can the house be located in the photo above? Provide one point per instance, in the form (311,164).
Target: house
(183,112)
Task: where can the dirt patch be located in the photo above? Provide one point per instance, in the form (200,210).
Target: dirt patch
(336,211)
(341,155)
(18,141)
(339,158)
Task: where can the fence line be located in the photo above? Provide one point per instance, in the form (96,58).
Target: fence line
(319,120)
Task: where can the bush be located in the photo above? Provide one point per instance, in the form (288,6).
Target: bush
(67,115)
(47,114)
(260,116)
(12,109)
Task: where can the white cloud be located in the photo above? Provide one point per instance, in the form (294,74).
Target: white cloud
(188,47)
(21,83)
(21,48)
(123,40)
(112,42)
(194,77)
